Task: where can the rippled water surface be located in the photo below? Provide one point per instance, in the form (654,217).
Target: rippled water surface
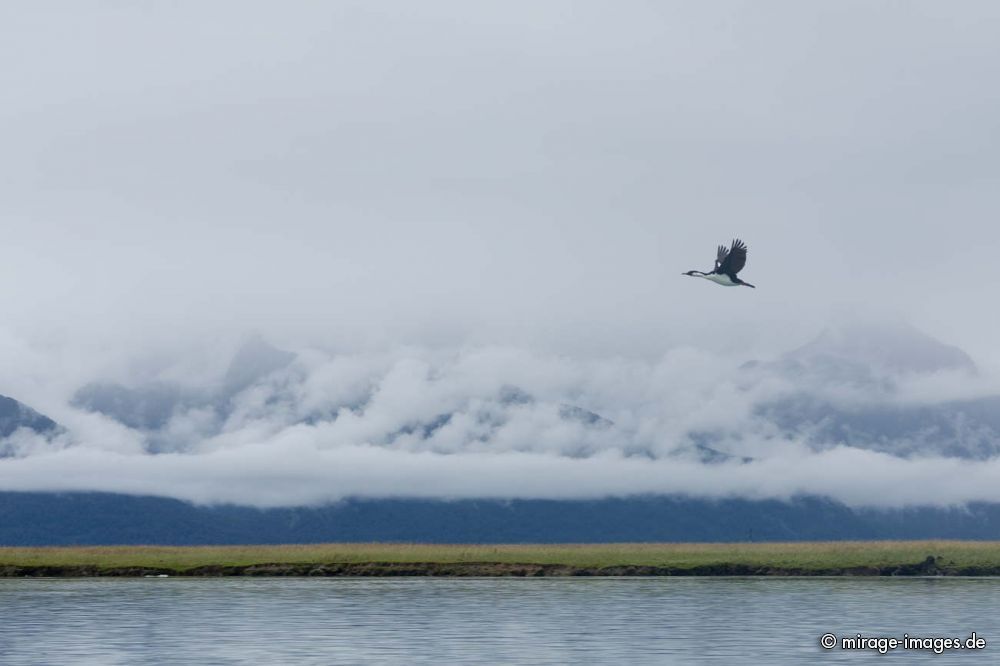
(419,620)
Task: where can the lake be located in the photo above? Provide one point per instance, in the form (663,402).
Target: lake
(538,621)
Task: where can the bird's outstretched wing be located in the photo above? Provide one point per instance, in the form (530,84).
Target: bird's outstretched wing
(734,259)
(720,256)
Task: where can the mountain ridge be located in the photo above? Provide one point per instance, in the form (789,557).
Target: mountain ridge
(49,519)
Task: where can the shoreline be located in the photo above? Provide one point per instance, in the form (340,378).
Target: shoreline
(856,558)
(483,570)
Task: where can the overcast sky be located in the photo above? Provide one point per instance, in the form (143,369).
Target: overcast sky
(360,176)
(535,172)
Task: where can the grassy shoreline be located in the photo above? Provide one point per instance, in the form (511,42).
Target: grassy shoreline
(833,558)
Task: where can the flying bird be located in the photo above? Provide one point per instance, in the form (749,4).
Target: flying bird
(728,262)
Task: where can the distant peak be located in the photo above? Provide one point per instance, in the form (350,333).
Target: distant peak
(255,359)
(15,415)
(887,344)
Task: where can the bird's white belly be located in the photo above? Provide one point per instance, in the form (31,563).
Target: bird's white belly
(720,279)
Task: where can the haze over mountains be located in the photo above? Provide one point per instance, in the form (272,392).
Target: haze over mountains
(852,388)
(847,387)
(507,423)
(874,425)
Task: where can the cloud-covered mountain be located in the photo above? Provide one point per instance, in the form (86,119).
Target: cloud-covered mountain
(152,406)
(259,384)
(148,406)
(849,387)
(868,352)
(17,418)
(955,428)
(867,415)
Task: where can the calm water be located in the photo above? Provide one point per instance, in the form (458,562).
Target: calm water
(406,621)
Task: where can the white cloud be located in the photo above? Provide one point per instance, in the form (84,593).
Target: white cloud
(491,422)
(292,469)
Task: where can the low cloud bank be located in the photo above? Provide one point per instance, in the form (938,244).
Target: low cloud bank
(302,473)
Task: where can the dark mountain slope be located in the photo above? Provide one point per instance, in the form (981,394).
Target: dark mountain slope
(100,518)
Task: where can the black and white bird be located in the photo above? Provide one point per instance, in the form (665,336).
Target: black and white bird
(728,262)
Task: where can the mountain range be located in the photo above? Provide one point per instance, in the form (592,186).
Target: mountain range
(38,519)
(850,386)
